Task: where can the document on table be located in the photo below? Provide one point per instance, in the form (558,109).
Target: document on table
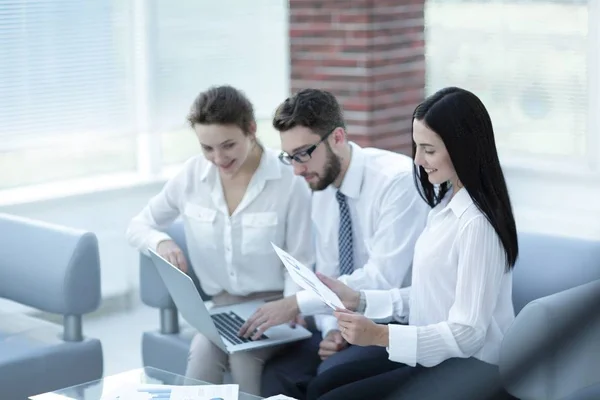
(280,397)
(169,392)
(307,279)
(51,396)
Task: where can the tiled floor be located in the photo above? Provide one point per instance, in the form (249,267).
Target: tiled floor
(121,335)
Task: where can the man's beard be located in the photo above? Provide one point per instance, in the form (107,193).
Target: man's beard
(333,167)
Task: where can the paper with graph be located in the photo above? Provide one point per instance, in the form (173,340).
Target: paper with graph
(172,392)
(307,279)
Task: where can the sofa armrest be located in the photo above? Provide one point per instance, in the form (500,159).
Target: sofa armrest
(551,350)
(49,267)
(549,264)
(52,268)
(153,291)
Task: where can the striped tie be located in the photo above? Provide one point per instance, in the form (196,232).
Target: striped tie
(346,256)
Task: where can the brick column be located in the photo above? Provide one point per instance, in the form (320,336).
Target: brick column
(370,54)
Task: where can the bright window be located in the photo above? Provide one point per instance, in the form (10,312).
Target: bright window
(93,88)
(527,60)
(65,94)
(535,65)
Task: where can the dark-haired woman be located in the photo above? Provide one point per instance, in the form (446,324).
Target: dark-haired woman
(459,305)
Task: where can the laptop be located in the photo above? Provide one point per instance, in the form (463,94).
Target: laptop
(220,325)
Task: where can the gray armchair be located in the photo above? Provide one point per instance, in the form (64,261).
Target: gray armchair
(552,350)
(166,348)
(56,270)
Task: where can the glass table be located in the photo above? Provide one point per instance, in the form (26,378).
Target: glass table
(103,387)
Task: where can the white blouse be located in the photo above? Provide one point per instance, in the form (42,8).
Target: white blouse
(460,301)
(233,253)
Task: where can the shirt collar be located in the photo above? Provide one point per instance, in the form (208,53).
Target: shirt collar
(269,168)
(460,202)
(352,183)
(209,170)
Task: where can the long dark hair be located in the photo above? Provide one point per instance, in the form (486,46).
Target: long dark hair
(464,125)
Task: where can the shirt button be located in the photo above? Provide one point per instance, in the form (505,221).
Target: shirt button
(232,274)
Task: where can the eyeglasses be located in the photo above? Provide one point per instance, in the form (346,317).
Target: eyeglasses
(302,156)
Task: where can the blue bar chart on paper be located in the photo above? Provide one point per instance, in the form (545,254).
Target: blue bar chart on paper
(167,392)
(157,393)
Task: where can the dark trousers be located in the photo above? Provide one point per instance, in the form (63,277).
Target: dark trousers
(290,371)
(454,379)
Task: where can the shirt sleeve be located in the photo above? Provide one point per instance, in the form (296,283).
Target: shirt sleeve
(400,221)
(387,305)
(326,324)
(298,231)
(146,229)
(481,269)
(310,303)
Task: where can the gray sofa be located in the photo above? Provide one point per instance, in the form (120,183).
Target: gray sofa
(547,267)
(552,350)
(56,270)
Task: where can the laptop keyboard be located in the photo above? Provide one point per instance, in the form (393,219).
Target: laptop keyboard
(228,324)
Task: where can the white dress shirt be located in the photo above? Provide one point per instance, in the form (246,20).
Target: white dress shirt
(233,253)
(460,301)
(388,215)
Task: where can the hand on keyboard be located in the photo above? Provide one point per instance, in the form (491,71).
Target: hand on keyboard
(270,314)
(228,324)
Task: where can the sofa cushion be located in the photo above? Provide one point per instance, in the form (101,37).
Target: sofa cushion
(587,393)
(34,358)
(552,348)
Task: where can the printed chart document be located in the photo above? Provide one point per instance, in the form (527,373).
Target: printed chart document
(307,279)
(169,392)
